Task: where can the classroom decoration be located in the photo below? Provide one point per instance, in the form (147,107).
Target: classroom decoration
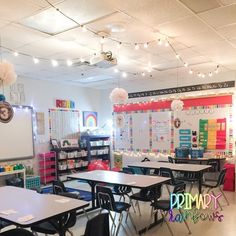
(7,74)
(184,89)
(65,104)
(17,93)
(154,127)
(6,112)
(90,119)
(63,123)
(120,121)
(177,105)
(118,95)
(40,121)
(212,133)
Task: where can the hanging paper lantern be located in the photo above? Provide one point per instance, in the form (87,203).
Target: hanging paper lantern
(177,105)
(119,95)
(7,74)
(120,121)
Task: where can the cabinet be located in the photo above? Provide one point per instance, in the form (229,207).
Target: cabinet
(98,146)
(69,160)
(47,167)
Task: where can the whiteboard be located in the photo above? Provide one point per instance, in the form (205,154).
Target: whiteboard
(161,130)
(122,134)
(140,124)
(16,137)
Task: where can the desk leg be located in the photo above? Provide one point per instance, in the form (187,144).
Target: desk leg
(200,182)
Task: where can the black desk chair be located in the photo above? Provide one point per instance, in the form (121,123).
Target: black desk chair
(60,189)
(3,224)
(17,232)
(167,172)
(147,195)
(51,227)
(170,159)
(217,185)
(164,206)
(98,225)
(213,170)
(107,202)
(124,191)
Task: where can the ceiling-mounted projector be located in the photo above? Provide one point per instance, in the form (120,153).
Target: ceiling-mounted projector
(104,60)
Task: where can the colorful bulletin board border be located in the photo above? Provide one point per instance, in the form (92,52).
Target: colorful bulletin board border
(90,119)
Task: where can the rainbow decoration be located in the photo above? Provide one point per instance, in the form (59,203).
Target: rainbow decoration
(89,119)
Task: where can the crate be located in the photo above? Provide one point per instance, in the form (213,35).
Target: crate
(32,182)
(196,153)
(181,152)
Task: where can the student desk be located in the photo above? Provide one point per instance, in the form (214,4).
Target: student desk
(117,178)
(175,167)
(43,207)
(199,160)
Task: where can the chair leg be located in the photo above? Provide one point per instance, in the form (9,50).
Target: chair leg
(224,195)
(132,221)
(120,198)
(113,221)
(119,223)
(139,208)
(168,189)
(185,222)
(132,204)
(86,214)
(191,188)
(167,223)
(70,232)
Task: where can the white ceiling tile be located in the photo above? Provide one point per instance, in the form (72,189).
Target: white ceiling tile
(186,26)
(84,11)
(201,5)
(228,31)
(152,12)
(228,2)
(12,10)
(220,16)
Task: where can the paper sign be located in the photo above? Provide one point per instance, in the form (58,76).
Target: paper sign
(25,218)
(63,200)
(8,212)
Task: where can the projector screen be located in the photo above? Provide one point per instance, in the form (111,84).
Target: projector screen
(16,137)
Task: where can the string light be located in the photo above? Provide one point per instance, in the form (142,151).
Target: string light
(16,54)
(102,40)
(199,74)
(119,45)
(185,64)
(69,62)
(143,74)
(190,72)
(136,46)
(35,60)
(203,75)
(159,42)
(210,74)
(177,56)
(82,60)
(166,44)
(54,63)
(116,70)
(145,45)
(84,29)
(124,74)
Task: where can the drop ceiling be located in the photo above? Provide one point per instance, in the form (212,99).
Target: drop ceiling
(202,32)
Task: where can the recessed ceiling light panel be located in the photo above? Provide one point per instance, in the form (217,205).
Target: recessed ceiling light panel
(49,21)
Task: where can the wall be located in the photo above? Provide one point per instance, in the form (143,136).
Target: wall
(42,95)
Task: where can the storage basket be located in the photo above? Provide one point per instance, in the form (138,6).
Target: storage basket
(32,182)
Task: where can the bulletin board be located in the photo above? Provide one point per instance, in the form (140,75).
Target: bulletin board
(152,126)
(16,137)
(211,124)
(64,123)
(122,139)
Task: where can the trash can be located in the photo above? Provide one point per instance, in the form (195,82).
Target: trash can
(229,184)
(17,182)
